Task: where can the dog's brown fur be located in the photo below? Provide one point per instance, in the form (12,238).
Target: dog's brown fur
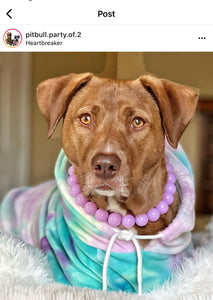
(166,109)
(9,38)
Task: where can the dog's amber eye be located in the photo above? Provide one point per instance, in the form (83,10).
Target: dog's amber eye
(86,119)
(137,122)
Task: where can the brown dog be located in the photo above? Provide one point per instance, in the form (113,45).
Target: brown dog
(114,134)
(9,38)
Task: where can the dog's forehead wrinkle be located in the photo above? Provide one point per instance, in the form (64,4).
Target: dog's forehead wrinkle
(115,91)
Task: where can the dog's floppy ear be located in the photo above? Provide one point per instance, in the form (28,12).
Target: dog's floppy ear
(54,95)
(176,103)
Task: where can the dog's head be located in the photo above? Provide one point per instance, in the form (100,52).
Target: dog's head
(114,130)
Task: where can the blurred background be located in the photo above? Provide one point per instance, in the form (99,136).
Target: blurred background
(28,158)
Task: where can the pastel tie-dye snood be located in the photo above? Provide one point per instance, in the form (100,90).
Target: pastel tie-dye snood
(47,217)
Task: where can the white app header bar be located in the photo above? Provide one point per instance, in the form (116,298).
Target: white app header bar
(107,12)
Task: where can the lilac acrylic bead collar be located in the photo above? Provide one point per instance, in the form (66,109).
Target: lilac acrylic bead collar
(128,221)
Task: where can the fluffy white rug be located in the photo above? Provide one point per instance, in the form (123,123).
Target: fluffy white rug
(24,274)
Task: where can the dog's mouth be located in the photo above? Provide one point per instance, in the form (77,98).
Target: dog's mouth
(104,190)
(104,187)
(108,191)
(93,187)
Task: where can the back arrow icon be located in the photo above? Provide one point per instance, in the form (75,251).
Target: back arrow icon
(8,13)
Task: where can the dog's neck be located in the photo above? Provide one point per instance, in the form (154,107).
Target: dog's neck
(149,191)
(147,195)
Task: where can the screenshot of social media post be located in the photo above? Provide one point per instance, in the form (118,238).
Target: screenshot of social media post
(106,150)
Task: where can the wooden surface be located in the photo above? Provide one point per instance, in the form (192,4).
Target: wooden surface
(205,105)
(205,197)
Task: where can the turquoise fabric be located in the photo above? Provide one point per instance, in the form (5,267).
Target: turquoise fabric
(74,262)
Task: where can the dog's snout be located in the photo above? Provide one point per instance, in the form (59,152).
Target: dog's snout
(106,165)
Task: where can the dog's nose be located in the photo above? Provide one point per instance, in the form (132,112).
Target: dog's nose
(106,165)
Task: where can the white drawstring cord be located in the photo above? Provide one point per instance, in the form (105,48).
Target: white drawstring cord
(127,236)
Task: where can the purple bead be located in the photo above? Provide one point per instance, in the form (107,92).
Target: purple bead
(101,215)
(71,170)
(72,179)
(162,207)
(81,200)
(171,177)
(170,188)
(168,198)
(141,220)
(90,208)
(169,168)
(153,214)
(75,189)
(128,221)
(114,219)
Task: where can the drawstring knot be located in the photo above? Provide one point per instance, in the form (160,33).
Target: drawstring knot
(127,236)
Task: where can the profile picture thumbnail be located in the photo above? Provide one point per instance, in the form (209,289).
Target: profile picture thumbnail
(12,38)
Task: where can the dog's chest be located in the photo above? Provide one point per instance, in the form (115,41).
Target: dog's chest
(113,206)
